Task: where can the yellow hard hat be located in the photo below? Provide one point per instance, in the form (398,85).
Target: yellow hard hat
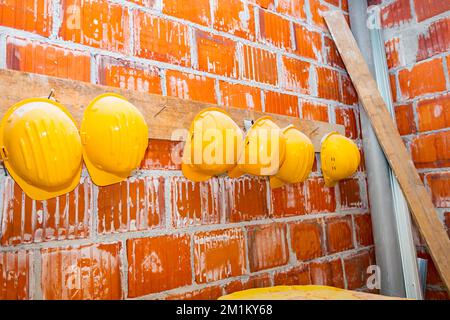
(41,148)
(339,157)
(114,137)
(298,160)
(263,150)
(212,146)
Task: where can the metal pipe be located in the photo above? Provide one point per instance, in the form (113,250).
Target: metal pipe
(402,215)
(423,270)
(387,249)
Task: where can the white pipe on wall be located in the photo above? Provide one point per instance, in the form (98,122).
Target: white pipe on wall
(387,248)
(402,215)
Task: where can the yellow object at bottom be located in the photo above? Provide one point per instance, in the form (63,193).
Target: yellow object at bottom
(309,292)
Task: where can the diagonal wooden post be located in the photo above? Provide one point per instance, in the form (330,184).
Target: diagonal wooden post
(419,201)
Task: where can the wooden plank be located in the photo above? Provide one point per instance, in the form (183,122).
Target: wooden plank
(419,201)
(164,115)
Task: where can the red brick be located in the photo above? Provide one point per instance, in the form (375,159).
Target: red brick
(99,24)
(332,55)
(246,199)
(328,84)
(315,163)
(258,281)
(404,116)
(151,4)
(169,44)
(281,103)
(259,65)
(133,205)
(240,96)
(392,52)
(89,272)
(195,203)
(158,264)
(417,238)
(219,254)
(235,17)
(349,95)
(425,77)
(308,43)
(347,117)
(433,277)
(184,9)
(31,15)
(267,4)
(307,239)
(293,8)
(274,29)
(350,194)
(356,270)
(447,222)
(439,184)
(288,200)
(434,113)
(333,2)
(363,227)
(216,54)
(374,2)
(435,40)
(447,60)
(62,218)
(327,273)
(314,111)
(429,8)
(317,9)
(15,269)
(319,198)
(362,164)
(267,246)
(162,155)
(190,86)
(393,85)
(208,293)
(295,276)
(128,75)
(395,14)
(433,294)
(344,5)
(51,60)
(431,150)
(339,234)
(296,75)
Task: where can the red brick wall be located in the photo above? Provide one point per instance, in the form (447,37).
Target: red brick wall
(417,35)
(158,235)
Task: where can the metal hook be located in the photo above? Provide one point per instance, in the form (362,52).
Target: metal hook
(51,94)
(161,110)
(247,124)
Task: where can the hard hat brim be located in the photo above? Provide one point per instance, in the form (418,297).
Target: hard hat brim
(275,182)
(235,172)
(99,177)
(194,175)
(39,193)
(328,182)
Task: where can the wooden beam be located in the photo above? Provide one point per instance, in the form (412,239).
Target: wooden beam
(164,115)
(419,201)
